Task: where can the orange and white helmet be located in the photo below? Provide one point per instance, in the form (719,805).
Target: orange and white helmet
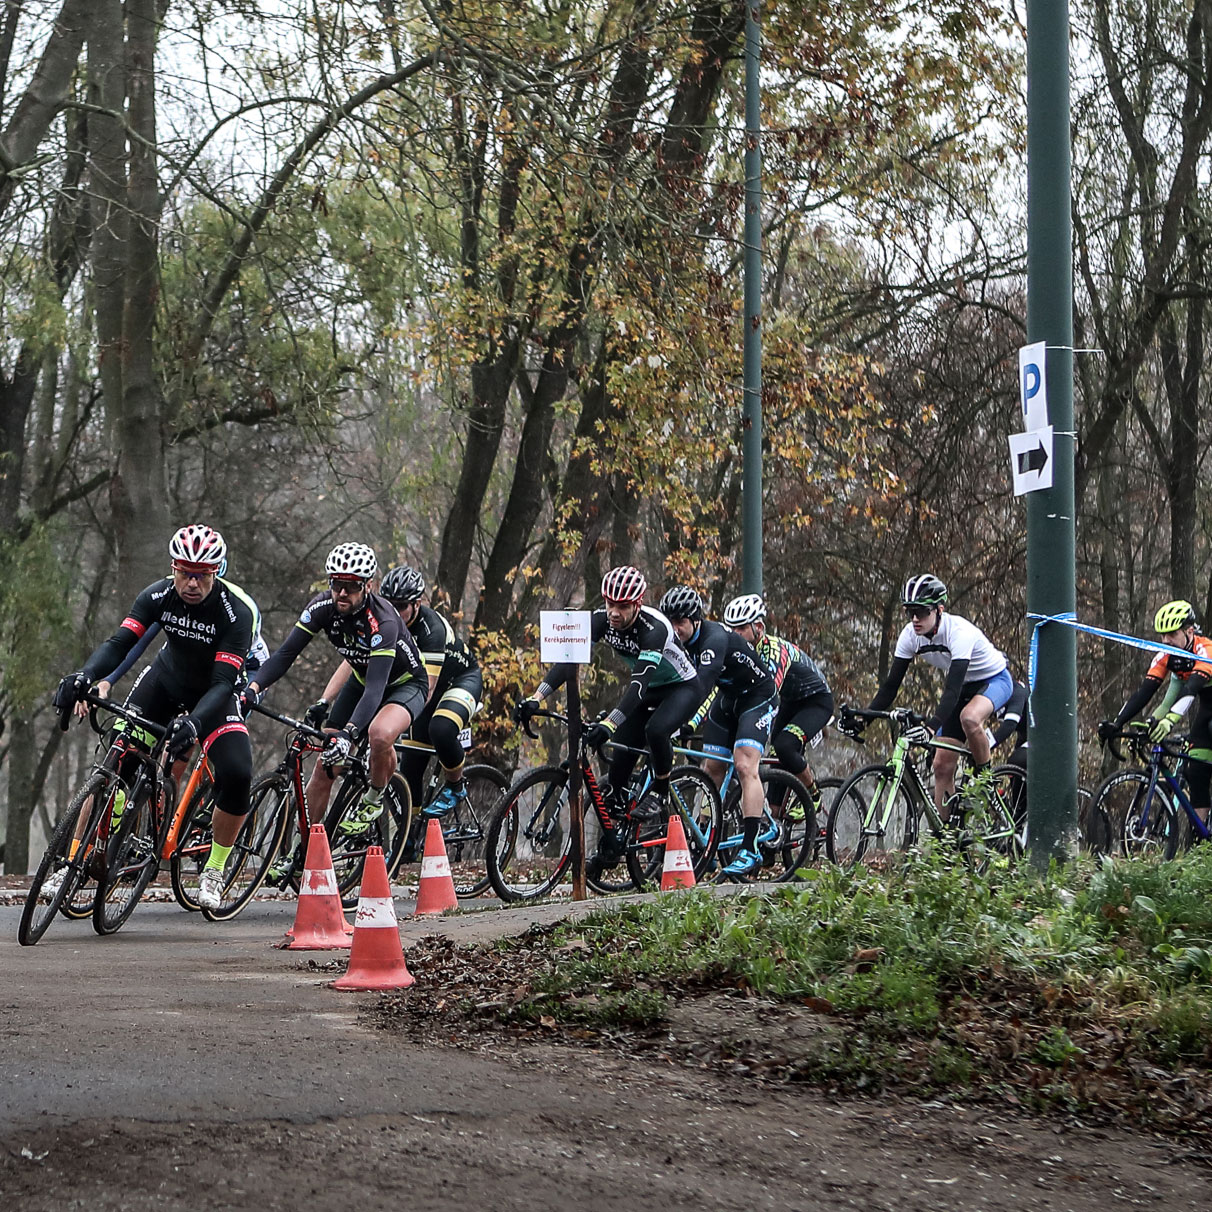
(624,584)
(198,548)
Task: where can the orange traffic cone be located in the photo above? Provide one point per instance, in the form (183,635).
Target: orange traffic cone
(678,871)
(436,893)
(320,923)
(376,960)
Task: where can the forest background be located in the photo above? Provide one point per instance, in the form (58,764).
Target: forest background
(463,281)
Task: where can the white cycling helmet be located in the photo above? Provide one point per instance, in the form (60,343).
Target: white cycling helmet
(624,584)
(748,608)
(351,560)
(199,546)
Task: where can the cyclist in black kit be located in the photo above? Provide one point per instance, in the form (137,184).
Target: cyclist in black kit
(386,693)
(660,698)
(208,630)
(805,700)
(740,701)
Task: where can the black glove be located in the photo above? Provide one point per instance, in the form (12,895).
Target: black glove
(524,711)
(181,736)
(337,750)
(1107,729)
(596,735)
(317,713)
(247,699)
(71,690)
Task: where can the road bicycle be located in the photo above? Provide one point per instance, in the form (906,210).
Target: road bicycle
(878,810)
(530,839)
(789,833)
(1143,805)
(112,831)
(464,826)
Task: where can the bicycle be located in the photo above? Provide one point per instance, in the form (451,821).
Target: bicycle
(465,827)
(118,845)
(1142,805)
(878,809)
(530,839)
(788,834)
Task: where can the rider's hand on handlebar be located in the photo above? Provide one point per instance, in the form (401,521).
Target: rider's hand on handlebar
(597,734)
(918,734)
(101,690)
(1107,729)
(1160,729)
(71,690)
(338,749)
(181,736)
(524,711)
(317,713)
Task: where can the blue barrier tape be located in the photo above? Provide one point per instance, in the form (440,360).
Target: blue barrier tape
(1069,619)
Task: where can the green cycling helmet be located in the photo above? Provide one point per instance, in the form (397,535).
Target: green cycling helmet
(1172,616)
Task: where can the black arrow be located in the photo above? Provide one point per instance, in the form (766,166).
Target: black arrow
(1035,459)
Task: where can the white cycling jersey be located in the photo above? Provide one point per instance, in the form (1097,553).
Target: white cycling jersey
(956,639)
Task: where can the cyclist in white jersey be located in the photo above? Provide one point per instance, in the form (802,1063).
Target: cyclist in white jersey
(978,682)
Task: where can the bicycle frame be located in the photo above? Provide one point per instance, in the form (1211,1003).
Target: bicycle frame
(1153,755)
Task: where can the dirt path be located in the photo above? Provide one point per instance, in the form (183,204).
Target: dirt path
(186,1066)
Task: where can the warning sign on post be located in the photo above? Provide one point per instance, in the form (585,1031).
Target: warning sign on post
(564,636)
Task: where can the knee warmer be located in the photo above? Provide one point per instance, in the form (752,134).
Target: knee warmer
(790,751)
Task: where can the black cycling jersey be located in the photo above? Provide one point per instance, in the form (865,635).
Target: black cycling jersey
(795,673)
(445,656)
(729,663)
(649,647)
(204,648)
(373,639)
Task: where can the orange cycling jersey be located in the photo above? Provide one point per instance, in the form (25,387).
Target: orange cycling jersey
(1200,661)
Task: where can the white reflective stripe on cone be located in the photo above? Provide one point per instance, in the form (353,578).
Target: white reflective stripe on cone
(678,860)
(319,883)
(375,912)
(437,865)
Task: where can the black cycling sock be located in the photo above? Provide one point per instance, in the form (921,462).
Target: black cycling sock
(752,825)
(660,785)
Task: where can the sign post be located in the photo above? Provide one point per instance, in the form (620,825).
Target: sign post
(564,636)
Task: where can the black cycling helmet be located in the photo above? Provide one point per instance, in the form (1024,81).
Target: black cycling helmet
(924,590)
(402,584)
(681,602)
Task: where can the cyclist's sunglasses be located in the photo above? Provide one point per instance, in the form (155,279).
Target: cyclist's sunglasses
(186,569)
(918,612)
(348,585)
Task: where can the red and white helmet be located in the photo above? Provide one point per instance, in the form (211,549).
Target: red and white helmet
(351,560)
(198,547)
(624,584)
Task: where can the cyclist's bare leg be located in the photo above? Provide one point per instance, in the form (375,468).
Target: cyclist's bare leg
(715,770)
(318,791)
(945,762)
(226,827)
(390,722)
(746,758)
(976,711)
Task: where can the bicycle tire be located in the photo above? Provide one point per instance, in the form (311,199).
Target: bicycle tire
(349,850)
(529,840)
(987,830)
(853,835)
(465,829)
(1121,796)
(37,913)
(783,854)
(271,804)
(693,796)
(827,790)
(131,862)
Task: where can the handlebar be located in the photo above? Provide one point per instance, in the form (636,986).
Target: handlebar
(1140,744)
(542,713)
(290,722)
(130,714)
(901,719)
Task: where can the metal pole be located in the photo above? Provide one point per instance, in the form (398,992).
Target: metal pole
(1052,769)
(751,496)
(576,814)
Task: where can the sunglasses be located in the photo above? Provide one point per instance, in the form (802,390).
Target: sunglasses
(918,612)
(193,572)
(346,585)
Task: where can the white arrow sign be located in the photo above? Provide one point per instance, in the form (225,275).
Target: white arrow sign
(1031,460)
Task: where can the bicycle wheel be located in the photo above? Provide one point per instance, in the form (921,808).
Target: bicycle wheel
(68,864)
(1141,824)
(271,805)
(465,828)
(692,795)
(192,850)
(827,790)
(529,839)
(872,818)
(788,825)
(986,828)
(1093,824)
(387,830)
(131,861)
